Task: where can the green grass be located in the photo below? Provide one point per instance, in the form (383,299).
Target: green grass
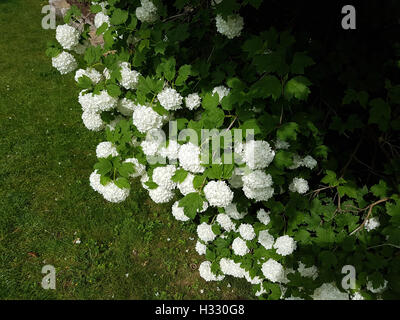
(46,201)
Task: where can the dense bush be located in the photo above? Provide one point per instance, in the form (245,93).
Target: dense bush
(317,188)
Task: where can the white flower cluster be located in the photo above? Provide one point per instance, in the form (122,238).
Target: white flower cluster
(67,36)
(205,233)
(105,149)
(239,247)
(64,62)
(263,216)
(97,102)
(139,168)
(110,191)
(246,231)
(193,101)
(371,224)
(186,186)
(101,18)
(230,27)
(329,291)
(91,73)
(129,78)
(299,185)
(189,158)
(147,12)
(206,274)
(273,270)
(170,99)
(285,245)
(258,154)
(218,193)
(308,162)
(145,119)
(232,211)
(257,185)
(310,272)
(225,222)
(222,92)
(126,107)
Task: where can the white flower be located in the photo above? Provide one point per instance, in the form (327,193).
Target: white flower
(247,231)
(265,239)
(170,99)
(254,280)
(257,179)
(186,186)
(105,149)
(64,62)
(297,162)
(91,73)
(171,151)
(147,12)
(258,194)
(150,147)
(193,101)
(222,92)
(206,274)
(161,195)
(126,107)
(205,233)
(101,18)
(232,211)
(189,158)
(97,102)
(309,162)
(310,272)
(372,224)
(92,121)
(299,185)
(200,248)
(370,287)
(230,27)
(94,181)
(140,169)
(257,154)
(231,268)
(163,176)
(279,144)
(329,291)
(273,270)
(178,212)
(129,78)
(218,194)
(145,119)
(114,194)
(285,245)
(357,296)
(263,216)
(225,222)
(67,36)
(239,247)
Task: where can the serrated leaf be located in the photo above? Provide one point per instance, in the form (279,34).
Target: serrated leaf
(179,176)
(288,131)
(191,203)
(301,61)
(122,183)
(119,17)
(297,87)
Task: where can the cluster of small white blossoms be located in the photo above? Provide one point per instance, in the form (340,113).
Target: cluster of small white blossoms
(64,62)
(299,185)
(129,78)
(147,12)
(111,192)
(231,27)
(371,224)
(67,36)
(170,99)
(145,118)
(218,193)
(193,101)
(308,162)
(101,18)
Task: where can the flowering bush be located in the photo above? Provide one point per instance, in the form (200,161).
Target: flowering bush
(194,67)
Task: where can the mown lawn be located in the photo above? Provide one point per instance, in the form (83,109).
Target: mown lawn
(135,250)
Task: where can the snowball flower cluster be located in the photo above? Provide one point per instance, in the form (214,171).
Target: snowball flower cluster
(97,102)
(257,154)
(170,99)
(257,185)
(139,168)
(273,270)
(232,211)
(329,291)
(171,151)
(193,101)
(231,268)
(206,273)
(218,193)
(91,73)
(308,162)
(230,27)
(263,216)
(279,144)
(161,195)
(265,239)
(285,245)
(186,186)
(129,78)
(101,18)
(92,121)
(64,62)
(239,247)
(178,212)
(310,272)
(222,92)
(247,231)
(205,233)
(67,36)
(163,176)
(110,192)
(372,224)
(126,107)
(200,248)
(147,12)
(299,185)
(189,158)
(145,119)
(225,222)
(105,149)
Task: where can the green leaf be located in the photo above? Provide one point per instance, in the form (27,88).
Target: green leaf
(179,176)
(300,62)
(268,86)
(191,203)
(93,54)
(84,82)
(122,183)
(95,8)
(297,87)
(379,113)
(113,90)
(119,17)
(198,181)
(183,74)
(152,185)
(283,159)
(126,169)
(210,101)
(288,131)
(102,28)
(380,190)
(103,166)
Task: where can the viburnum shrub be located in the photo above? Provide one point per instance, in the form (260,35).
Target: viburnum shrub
(271,203)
